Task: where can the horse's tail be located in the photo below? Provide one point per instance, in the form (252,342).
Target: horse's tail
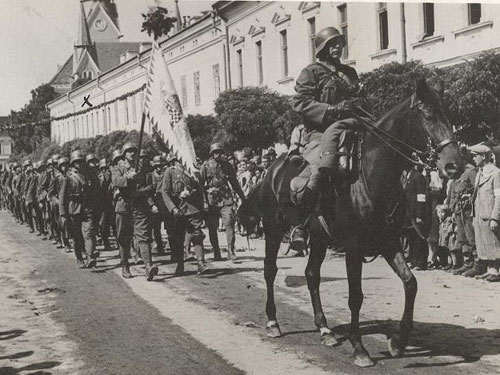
(250,212)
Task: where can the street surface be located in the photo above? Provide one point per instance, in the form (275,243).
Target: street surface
(58,319)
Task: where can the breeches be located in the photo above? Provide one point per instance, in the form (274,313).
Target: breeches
(124,234)
(226,213)
(84,232)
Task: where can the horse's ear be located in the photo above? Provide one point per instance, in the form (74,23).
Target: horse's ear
(423,92)
(437,86)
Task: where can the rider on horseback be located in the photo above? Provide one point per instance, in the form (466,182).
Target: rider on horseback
(326,98)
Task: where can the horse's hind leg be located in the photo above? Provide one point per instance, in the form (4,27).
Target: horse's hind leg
(354,266)
(313,276)
(398,341)
(270,270)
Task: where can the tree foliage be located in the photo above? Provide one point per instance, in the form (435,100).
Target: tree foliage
(203,129)
(248,115)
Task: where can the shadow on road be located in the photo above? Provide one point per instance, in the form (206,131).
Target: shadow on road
(7,335)
(8,370)
(17,355)
(436,340)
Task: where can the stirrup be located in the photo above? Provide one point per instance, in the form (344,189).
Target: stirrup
(299,239)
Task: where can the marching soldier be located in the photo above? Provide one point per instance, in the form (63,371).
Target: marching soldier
(17,182)
(183,197)
(134,205)
(78,198)
(53,201)
(106,216)
(28,193)
(155,178)
(42,187)
(217,179)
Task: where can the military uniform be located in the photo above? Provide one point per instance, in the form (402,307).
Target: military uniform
(53,206)
(183,198)
(156,179)
(106,214)
(43,211)
(217,178)
(29,195)
(78,198)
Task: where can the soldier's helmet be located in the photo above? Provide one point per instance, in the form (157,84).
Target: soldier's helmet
(271,151)
(62,161)
(103,163)
(40,164)
(14,165)
(117,154)
(26,163)
(49,161)
(128,146)
(55,158)
(144,154)
(76,155)
(36,164)
(216,147)
(90,157)
(156,161)
(324,36)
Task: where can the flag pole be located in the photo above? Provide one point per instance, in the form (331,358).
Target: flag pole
(139,147)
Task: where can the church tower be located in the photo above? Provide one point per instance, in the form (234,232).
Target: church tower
(84,49)
(102,20)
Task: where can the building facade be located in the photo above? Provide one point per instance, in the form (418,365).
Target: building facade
(267,44)
(5,143)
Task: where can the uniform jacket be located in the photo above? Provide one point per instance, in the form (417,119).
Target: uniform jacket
(106,188)
(417,207)
(54,185)
(486,195)
(43,185)
(318,87)
(31,188)
(175,182)
(130,192)
(217,178)
(79,193)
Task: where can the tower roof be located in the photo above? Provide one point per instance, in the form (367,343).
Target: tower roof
(83,31)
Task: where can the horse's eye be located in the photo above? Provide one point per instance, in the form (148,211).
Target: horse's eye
(428,112)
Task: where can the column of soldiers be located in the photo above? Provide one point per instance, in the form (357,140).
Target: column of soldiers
(74,201)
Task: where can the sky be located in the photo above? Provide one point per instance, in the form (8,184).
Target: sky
(38,35)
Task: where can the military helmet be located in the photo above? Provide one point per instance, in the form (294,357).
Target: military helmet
(144,153)
(324,36)
(49,161)
(76,155)
(62,161)
(36,164)
(216,147)
(271,151)
(55,158)
(157,161)
(26,163)
(90,157)
(103,163)
(117,154)
(14,165)
(128,146)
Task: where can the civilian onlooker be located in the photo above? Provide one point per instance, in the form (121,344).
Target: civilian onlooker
(437,194)
(486,200)
(447,230)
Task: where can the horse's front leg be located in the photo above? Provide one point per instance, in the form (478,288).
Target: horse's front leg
(398,341)
(270,271)
(313,270)
(354,267)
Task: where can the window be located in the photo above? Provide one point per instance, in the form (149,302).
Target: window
(97,123)
(260,71)
(87,125)
(184,92)
(134,108)
(474,13)
(312,34)
(343,29)
(215,69)
(77,128)
(125,110)
(240,67)
(383,26)
(197,94)
(109,119)
(428,19)
(116,114)
(92,124)
(284,53)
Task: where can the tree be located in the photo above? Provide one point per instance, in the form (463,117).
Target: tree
(247,115)
(203,130)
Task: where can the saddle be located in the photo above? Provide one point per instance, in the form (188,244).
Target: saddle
(347,171)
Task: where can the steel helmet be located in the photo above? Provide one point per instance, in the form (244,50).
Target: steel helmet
(144,153)
(324,36)
(103,163)
(156,161)
(216,147)
(26,163)
(128,146)
(62,161)
(55,158)
(14,165)
(75,156)
(90,157)
(117,154)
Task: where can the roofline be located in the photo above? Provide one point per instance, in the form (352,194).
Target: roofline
(143,53)
(60,69)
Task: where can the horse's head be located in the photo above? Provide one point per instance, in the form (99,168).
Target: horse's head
(427,102)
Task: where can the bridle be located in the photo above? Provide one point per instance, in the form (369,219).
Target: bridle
(400,146)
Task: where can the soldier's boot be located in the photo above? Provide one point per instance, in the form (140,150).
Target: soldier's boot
(107,245)
(90,262)
(217,254)
(478,269)
(179,270)
(231,254)
(151,271)
(200,257)
(160,250)
(81,263)
(126,271)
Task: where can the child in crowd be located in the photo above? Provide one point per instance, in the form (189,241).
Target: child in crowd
(447,233)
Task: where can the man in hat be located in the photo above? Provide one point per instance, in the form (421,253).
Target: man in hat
(325,99)
(134,206)
(78,199)
(106,213)
(183,198)
(486,201)
(217,177)
(155,178)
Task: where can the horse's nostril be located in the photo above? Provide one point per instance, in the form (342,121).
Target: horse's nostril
(452,169)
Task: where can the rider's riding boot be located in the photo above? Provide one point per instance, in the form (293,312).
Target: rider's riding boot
(126,271)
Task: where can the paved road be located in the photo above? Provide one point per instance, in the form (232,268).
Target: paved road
(59,319)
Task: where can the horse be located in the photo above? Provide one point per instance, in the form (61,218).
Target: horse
(367,218)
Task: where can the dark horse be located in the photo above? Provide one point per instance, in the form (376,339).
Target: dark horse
(368,217)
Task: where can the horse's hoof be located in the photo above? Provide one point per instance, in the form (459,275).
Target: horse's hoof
(273,330)
(363,361)
(328,339)
(396,348)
